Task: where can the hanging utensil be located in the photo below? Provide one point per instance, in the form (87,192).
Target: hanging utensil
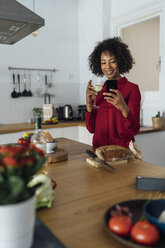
(46,83)
(29,92)
(19,91)
(14,93)
(45,94)
(44,98)
(24,92)
(50,80)
(49,98)
(38,76)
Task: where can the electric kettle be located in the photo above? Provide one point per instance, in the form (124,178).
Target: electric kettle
(68,112)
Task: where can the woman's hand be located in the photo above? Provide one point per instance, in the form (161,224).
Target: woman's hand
(117,100)
(90,96)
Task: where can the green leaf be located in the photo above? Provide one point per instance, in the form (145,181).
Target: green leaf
(158,114)
(16,185)
(1,179)
(13,188)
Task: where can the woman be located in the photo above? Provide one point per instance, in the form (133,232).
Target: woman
(117,120)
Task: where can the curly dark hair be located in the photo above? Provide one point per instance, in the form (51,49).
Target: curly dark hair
(115,47)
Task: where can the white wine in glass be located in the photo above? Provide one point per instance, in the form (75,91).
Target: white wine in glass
(97,88)
(97,83)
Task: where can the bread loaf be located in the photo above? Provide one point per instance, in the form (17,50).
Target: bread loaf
(48,136)
(113,153)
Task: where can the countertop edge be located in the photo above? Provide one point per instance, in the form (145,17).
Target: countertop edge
(21,127)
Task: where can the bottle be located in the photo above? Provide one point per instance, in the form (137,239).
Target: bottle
(39,138)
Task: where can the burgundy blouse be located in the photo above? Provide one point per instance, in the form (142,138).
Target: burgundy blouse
(108,124)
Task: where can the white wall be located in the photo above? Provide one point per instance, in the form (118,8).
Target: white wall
(93,27)
(121,8)
(55,47)
(90,32)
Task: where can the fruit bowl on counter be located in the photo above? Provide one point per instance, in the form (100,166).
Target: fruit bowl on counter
(50,121)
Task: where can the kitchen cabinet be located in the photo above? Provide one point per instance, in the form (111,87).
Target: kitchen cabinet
(10,138)
(71,133)
(55,132)
(13,137)
(152,146)
(77,133)
(85,136)
(67,132)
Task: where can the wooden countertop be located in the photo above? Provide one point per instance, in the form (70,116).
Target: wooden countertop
(84,193)
(19,127)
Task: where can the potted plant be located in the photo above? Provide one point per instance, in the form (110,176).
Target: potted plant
(17,201)
(157,121)
(37,112)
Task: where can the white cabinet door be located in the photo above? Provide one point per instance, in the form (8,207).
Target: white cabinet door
(55,132)
(85,136)
(76,133)
(152,146)
(71,133)
(9,138)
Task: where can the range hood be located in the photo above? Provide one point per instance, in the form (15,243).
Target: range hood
(17,21)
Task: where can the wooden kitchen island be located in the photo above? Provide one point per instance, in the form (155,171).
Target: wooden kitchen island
(84,193)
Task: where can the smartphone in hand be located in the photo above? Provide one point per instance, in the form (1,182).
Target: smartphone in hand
(111,84)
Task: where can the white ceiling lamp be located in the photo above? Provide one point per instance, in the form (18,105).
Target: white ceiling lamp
(35,33)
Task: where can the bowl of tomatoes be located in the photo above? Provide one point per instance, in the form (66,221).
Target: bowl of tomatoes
(154,211)
(125,222)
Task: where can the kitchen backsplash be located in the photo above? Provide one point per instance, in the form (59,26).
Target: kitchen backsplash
(17,110)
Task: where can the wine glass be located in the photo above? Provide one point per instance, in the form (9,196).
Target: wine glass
(97,82)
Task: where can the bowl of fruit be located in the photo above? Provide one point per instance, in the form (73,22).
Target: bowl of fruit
(25,140)
(50,121)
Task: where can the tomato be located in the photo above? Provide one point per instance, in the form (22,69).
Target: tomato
(120,224)
(145,233)
(23,142)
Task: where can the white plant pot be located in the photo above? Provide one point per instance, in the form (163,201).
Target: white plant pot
(17,224)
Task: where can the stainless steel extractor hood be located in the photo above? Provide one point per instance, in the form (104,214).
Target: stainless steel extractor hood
(17,21)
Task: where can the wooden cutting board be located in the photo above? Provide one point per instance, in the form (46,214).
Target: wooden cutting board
(58,155)
(99,165)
